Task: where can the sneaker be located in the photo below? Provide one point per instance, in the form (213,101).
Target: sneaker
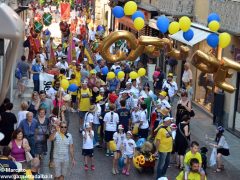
(124,171)
(111,154)
(86,167)
(127,173)
(116,170)
(113,171)
(107,154)
(92,167)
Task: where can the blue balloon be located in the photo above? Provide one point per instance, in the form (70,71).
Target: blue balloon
(213,17)
(118,12)
(73,88)
(117,71)
(121,162)
(163,24)
(140,142)
(213,40)
(188,35)
(105,70)
(137,14)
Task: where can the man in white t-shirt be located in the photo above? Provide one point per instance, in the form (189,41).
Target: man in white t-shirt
(92,35)
(89,116)
(111,119)
(171,87)
(163,101)
(187,75)
(62,64)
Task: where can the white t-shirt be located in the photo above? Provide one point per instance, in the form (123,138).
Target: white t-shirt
(88,119)
(61,65)
(187,76)
(223,143)
(164,104)
(172,87)
(135,91)
(97,114)
(88,142)
(119,139)
(145,95)
(129,146)
(111,119)
(92,35)
(143,118)
(21,115)
(51,93)
(135,116)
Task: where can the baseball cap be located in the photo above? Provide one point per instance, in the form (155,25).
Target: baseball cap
(129,132)
(92,72)
(87,125)
(170,74)
(99,98)
(120,126)
(167,119)
(163,93)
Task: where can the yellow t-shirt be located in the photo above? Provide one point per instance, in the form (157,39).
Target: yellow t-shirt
(166,141)
(61,76)
(78,77)
(72,67)
(189,155)
(73,81)
(84,99)
(191,176)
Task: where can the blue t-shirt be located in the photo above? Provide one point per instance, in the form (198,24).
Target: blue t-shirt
(36,68)
(113,84)
(7,168)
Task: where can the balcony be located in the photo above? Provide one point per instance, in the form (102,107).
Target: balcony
(229,12)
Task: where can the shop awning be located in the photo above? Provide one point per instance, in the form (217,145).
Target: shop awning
(199,35)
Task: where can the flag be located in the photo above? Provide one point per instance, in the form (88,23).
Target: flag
(46,81)
(52,60)
(65,11)
(71,49)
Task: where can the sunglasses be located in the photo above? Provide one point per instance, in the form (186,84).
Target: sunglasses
(64,127)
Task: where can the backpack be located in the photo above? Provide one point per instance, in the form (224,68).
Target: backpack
(18,73)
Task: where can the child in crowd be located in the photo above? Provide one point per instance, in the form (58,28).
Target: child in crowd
(87,149)
(129,146)
(193,153)
(135,115)
(119,138)
(89,116)
(73,80)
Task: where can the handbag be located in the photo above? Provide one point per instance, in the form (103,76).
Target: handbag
(213,157)
(28,156)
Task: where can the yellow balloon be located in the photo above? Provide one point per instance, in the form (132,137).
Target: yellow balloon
(64,84)
(174,27)
(112,145)
(138,23)
(141,72)
(224,39)
(185,23)
(214,26)
(111,75)
(130,8)
(133,75)
(121,75)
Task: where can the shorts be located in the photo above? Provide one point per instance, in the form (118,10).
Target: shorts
(82,114)
(74,98)
(87,152)
(130,156)
(23,81)
(109,135)
(60,167)
(223,151)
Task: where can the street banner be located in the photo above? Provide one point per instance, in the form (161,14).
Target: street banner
(65,11)
(46,81)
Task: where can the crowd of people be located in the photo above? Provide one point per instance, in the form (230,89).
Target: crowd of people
(110,110)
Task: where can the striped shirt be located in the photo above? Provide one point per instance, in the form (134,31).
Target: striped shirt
(61,146)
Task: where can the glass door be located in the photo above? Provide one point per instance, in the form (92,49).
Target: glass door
(236,124)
